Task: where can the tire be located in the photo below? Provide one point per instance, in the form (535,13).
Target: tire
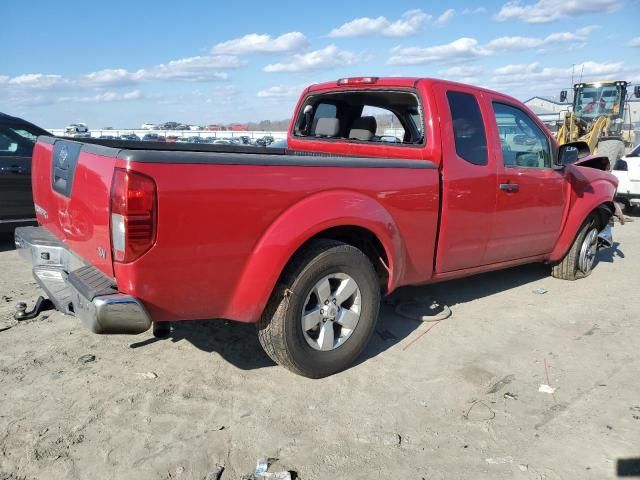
(576,263)
(286,330)
(613,149)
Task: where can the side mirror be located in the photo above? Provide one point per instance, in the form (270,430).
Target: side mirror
(563,96)
(571,152)
(636,91)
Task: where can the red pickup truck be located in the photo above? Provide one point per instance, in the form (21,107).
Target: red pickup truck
(304,241)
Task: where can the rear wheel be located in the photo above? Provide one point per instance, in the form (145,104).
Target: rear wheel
(612,149)
(581,257)
(323,311)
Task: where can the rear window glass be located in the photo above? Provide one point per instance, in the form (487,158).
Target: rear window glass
(370,116)
(468,127)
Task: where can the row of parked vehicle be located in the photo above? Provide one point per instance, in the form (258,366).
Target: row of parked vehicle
(265,141)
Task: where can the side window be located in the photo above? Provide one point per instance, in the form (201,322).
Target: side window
(524,144)
(468,127)
(16,141)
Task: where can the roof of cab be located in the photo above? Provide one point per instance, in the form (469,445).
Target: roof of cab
(398,82)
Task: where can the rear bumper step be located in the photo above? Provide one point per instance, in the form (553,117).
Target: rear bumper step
(79,289)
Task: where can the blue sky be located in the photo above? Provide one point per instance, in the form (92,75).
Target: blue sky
(122,63)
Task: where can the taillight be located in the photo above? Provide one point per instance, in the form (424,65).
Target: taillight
(133,215)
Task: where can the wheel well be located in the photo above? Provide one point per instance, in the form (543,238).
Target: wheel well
(365,241)
(603,214)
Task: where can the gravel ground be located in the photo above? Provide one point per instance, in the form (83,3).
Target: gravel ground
(454,399)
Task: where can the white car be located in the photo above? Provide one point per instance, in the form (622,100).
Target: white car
(627,170)
(149,126)
(75,128)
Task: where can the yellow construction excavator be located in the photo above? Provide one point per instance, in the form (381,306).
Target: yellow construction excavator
(598,117)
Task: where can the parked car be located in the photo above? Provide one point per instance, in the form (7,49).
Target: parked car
(149,126)
(150,137)
(75,128)
(282,143)
(130,137)
(627,170)
(17,139)
(304,242)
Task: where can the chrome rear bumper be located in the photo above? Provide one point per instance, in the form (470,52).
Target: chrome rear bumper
(79,289)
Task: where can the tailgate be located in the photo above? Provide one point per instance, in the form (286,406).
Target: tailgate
(71,190)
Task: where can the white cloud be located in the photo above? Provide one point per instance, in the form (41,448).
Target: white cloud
(105,97)
(37,81)
(634,42)
(522,43)
(536,72)
(328,57)
(409,24)
(544,11)
(463,49)
(201,68)
(280,91)
(474,11)
(469,49)
(257,43)
(445,17)
(461,71)
(588,30)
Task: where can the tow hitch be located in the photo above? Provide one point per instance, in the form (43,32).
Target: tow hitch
(42,304)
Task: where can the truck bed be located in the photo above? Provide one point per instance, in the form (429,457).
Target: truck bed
(219,208)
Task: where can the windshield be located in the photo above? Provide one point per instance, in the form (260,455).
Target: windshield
(593,101)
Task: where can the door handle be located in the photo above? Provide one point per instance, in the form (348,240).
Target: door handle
(509,187)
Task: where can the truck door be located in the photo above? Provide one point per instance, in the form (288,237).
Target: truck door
(530,195)
(468,179)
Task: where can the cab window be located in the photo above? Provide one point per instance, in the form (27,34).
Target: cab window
(361,116)
(468,127)
(523,143)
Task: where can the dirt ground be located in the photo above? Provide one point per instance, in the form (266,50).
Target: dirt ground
(448,400)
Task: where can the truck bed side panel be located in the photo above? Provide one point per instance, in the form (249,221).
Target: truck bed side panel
(211,218)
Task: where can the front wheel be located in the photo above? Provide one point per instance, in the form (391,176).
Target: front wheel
(581,257)
(323,310)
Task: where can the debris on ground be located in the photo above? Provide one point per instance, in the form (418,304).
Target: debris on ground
(87,358)
(262,467)
(510,396)
(546,389)
(148,375)
(423,309)
(496,387)
(479,411)
(540,290)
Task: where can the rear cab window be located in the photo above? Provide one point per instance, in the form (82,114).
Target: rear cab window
(370,117)
(468,127)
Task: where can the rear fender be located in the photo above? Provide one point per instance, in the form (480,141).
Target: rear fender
(297,225)
(590,189)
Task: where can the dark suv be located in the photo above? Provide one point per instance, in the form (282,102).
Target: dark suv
(17,138)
